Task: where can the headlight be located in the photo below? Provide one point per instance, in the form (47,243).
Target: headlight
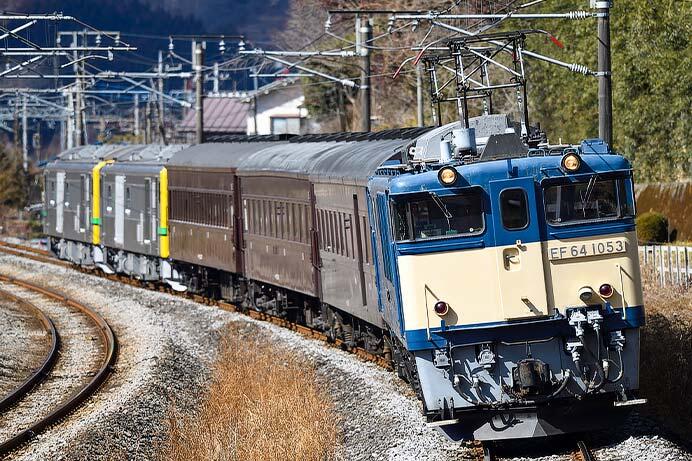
(447,176)
(571,162)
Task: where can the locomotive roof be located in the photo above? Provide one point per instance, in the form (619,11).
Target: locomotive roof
(217,155)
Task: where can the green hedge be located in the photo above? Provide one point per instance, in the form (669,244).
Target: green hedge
(652,227)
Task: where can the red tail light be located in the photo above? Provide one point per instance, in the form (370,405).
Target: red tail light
(605,290)
(441,308)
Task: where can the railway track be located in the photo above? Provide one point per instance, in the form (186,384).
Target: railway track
(48,360)
(49,395)
(45,257)
(584,452)
(481,451)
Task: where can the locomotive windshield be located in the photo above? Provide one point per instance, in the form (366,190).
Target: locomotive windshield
(428,215)
(593,200)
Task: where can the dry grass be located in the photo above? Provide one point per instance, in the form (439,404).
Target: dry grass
(264,405)
(666,344)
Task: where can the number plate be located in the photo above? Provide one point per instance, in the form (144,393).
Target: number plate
(582,250)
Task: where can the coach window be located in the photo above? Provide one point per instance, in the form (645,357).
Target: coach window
(514,209)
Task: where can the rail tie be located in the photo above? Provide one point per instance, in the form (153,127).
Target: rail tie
(76,399)
(49,360)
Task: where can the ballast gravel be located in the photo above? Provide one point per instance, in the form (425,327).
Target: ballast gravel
(24,344)
(167,347)
(79,357)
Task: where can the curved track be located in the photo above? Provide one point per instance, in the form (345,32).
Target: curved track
(42,371)
(45,257)
(77,397)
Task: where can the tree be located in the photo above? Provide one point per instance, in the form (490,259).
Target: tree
(652,85)
(13,185)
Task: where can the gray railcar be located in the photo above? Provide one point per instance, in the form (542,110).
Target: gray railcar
(130,204)
(68,199)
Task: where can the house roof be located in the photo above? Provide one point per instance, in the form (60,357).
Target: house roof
(221,115)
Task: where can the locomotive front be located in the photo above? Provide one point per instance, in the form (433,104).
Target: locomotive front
(512,289)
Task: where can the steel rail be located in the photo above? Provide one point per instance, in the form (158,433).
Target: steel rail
(40,373)
(585,452)
(45,257)
(76,399)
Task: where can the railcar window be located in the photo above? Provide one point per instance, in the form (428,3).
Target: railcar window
(430,216)
(593,200)
(514,210)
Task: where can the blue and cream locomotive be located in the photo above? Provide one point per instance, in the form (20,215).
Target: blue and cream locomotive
(510,280)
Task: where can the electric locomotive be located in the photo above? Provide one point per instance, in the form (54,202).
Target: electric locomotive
(509,280)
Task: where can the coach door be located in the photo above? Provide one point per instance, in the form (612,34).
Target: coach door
(119,236)
(59,201)
(518,248)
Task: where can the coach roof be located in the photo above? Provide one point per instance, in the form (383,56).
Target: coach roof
(217,155)
(336,160)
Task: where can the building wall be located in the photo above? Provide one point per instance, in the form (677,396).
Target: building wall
(285,102)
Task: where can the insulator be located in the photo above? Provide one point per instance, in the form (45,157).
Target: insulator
(98,39)
(328,24)
(581,14)
(578,68)
(241,45)
(171,46)
(222,46)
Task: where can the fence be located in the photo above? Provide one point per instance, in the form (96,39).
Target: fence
(672,263)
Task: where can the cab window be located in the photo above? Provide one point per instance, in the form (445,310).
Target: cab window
(514,210)
(432,216)
(596,199)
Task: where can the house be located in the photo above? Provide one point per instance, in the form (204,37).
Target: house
(222,116)
(279,111)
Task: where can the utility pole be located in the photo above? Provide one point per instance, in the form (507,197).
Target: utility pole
(78,94)
(162,129)
(365,33)
(16,122)
(147,121)
(255,85)
(216,78)
(25,136)
(605,90)
(136,116)
(70,120)
(199,93)
(419,94)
